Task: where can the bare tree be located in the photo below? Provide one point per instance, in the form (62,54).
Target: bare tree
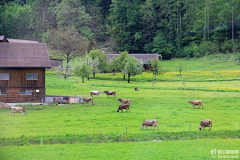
(67,42)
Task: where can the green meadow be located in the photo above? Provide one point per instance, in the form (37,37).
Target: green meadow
(76,131)
(188,149)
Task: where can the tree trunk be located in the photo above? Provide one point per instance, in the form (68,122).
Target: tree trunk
(94,74)
(129,78)
(88,77)
(82,79)
(124,77)
(205,23)
(232,23)
(67,67)
(208,17)
(44,16)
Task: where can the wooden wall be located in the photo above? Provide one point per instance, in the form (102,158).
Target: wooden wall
(17,81)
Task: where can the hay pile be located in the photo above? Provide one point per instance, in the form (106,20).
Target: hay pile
(4,105)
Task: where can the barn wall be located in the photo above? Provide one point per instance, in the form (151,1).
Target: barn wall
(17,81)
(13,96)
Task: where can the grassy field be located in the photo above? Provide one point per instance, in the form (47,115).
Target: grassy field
(189,149)
(76,131)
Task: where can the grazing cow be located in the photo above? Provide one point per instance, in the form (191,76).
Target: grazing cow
(196,102)
(110,93)
(56,100)
(205,123)
(147,123)
(18,109)
(95,93)
(123,106)
(88,99)
(136,89)
(125,101)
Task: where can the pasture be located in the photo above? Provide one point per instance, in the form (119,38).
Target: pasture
(188,149)
(76,131)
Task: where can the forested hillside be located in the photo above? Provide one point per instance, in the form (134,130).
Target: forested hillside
(172,28)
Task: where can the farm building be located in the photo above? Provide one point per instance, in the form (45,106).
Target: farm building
(3,39)
(143,57)
(56,62)
(22,71)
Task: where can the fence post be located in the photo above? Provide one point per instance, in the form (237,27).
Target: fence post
(41,141)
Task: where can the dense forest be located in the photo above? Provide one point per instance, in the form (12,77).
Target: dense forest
(172,28)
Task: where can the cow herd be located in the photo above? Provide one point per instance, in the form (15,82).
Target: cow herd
(125,104)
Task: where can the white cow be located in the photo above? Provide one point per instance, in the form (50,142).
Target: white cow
(95,93)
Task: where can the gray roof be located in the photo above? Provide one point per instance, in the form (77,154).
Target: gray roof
(24,55)
(20,41)
(1,38)
(143,57)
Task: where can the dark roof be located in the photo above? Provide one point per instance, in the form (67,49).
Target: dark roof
(24,55)
(56,62)
(143,57)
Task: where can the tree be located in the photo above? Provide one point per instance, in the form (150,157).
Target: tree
(67,42)
(180,68)
(70,13)
(93,64)
(156,67)
(161,46)
(64,71)
(98,55)
(125,25)
(113,65)
(133,67)
(121,61)
(82,69)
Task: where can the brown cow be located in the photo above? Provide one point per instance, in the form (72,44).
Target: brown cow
(110,93)
(152,122)
(18,109)
(88,99)
(125,101)
(206,123)
(196,102)
(56,100)
(136,89)
(123,106)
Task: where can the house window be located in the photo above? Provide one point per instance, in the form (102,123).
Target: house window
(4,76)
(25,92)
(32,76)
(3,92)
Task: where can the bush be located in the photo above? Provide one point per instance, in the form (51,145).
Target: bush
(227,46)
(187,52)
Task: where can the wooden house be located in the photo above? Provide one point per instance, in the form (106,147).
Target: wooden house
(22,71)
(143,57)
